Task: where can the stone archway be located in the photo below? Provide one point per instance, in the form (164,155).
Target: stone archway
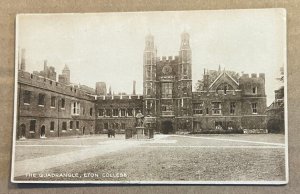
(21,131)
(167,127)
(43,132)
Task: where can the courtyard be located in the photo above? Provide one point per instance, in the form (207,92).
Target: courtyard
(232,157)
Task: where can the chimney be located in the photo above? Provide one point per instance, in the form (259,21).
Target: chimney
(134,83)
(205,81)
(109,91)
(23,64)
(45,65)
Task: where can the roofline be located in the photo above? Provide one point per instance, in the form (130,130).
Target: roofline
(224,72)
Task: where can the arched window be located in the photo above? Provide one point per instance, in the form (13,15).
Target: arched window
(224,87)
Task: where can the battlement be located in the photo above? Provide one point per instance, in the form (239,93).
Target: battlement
(167,59)
(253,76)
(52,85)
(119,97)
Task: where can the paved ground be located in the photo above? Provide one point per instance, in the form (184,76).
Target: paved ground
(166,158)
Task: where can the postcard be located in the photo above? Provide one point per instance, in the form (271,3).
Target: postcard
(165,97)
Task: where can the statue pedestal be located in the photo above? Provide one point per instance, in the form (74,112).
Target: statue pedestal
(140,133)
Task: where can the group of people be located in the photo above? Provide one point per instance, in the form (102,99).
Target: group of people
(111,133)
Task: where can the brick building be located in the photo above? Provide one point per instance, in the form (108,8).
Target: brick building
(46,108)
(223,100)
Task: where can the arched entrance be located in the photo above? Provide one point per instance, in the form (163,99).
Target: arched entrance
(43,132)
(21,132)
(167,127)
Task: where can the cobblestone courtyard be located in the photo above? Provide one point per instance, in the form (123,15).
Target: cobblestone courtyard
(238,157)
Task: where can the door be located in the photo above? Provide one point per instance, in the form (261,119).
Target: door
(21,132)
(43,131)
(167,127)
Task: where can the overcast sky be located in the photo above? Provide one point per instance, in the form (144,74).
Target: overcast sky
(109,46)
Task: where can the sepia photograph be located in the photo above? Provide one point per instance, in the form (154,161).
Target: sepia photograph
(164,97)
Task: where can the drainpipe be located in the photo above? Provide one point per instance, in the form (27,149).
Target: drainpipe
(58,100)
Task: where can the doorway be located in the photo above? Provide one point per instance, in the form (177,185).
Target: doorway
(167,127)
(43,132)
(21,132)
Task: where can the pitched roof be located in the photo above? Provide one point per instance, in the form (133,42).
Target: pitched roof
(223,74)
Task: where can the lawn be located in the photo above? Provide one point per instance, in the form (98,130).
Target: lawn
(158,162)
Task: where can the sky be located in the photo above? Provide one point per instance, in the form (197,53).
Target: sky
(109,46)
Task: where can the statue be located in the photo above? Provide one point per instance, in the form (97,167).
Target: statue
(139,116)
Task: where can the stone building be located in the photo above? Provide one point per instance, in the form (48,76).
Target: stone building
(117,112)
(223,100)
(226,100)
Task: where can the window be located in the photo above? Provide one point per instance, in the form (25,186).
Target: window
(53,101)
(64,126)
(108,112)
(63,103)
(123,113)
(105,125)
(91,111)
(123,125)
(75,108)
(77,124)
(207,111)
(71,125)
(184,90)
(148,57)
(198,108)
(148,88)
(115,112)
(167,108)
(27,96)
(41,99)
(225,89)
(32,125)
(167,90)
(254,90)
(100,112)
(254,108)
(116,125)
(52,126)
(184,70)
(232,108)
(216,108)
(130,112)
(148,72)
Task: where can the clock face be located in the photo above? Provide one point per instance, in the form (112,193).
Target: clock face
(167,69)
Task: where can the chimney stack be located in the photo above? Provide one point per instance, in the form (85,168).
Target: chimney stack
(134,83)
(23,63)
(45,65)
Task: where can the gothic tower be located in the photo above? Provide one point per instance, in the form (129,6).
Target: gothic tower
(149,78)
(185,81)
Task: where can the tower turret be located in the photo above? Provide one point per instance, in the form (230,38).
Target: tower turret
(185,57)
(66,73)
(149,80)
(185,75)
